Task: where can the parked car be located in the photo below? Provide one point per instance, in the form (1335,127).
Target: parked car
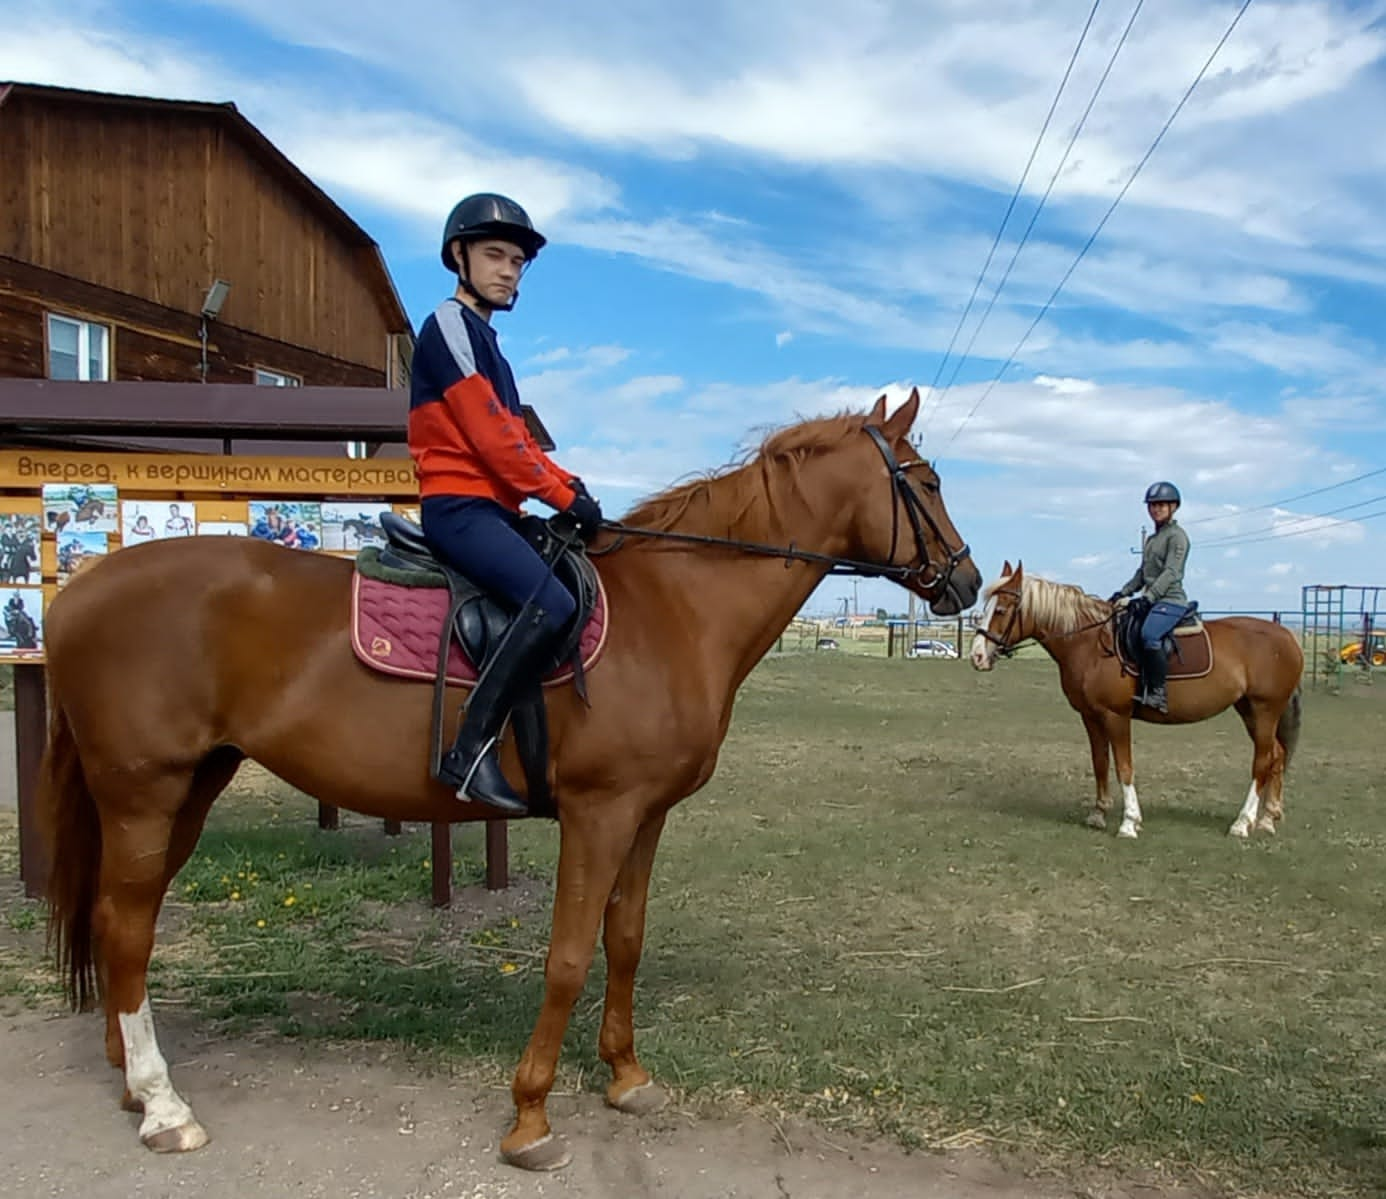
(827,643)
(929,648)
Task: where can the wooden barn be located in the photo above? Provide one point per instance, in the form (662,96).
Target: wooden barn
(169,241)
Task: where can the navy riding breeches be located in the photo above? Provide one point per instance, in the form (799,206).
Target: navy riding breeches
(1160,622)
(478,538)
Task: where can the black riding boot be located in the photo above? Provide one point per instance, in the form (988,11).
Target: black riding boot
(472,764)
(1154,670)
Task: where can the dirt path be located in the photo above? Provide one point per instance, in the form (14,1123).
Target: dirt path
(286,1121)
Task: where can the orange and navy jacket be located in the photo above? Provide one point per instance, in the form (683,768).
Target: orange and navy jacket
(466,432)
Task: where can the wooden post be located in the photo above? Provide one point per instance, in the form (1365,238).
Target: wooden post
(441,859)
(497,855)
(393,828)
(30,733)
(328,816)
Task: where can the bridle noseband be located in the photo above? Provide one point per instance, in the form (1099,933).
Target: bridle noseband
(939,575)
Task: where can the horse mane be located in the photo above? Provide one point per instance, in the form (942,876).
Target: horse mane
(741,496)
(1057,607)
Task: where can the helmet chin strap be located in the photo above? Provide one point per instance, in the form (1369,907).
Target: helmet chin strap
(464,277)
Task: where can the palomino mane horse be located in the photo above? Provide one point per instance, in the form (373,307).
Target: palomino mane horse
(1256,669)
(244,652)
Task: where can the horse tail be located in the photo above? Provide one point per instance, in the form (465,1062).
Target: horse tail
(72,830)
(1287,731)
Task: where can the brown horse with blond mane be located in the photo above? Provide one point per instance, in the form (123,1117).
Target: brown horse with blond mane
(169,663)
(1256,668)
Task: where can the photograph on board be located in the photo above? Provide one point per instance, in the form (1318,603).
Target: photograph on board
(23,624)
(79,507)
(78,550)
(352,526)
(296,524)
(19,548)
(179,518)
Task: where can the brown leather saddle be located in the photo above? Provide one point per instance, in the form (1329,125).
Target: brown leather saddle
(1188,649)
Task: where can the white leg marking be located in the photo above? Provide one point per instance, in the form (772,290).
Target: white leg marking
(1241,827)
(1131,814)
(146,1078)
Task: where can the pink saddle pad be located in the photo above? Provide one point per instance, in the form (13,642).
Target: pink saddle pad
(395,629)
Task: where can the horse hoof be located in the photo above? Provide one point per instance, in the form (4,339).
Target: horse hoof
(641,1100)
(547,1153)
(1129,831)
(183,1139)
(128,1103)
(1096,820)
(1239,830)
(1265,825)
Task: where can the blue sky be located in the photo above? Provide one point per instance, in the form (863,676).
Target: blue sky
(764,212)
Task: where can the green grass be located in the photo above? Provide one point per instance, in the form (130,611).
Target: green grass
(884,911)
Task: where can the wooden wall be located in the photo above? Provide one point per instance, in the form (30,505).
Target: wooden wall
(149,342)
(155,202)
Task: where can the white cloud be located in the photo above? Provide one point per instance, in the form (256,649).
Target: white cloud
(783,338)
(1281,568)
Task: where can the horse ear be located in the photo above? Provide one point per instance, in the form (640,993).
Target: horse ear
(902,418)
(1006,569)
(877,414)
(1019,566)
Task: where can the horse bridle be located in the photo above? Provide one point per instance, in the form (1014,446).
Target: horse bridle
(940,575)
(1005,647)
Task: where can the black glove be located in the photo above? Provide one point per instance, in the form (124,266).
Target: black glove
(1116,595)
(585,511)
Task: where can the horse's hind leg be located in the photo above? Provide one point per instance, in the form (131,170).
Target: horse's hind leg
(147,833)
(209,780)
(1261,808)
(631,1089)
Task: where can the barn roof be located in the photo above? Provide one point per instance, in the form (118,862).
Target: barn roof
(230,118)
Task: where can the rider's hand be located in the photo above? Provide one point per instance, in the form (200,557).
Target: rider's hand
(1121,601)
(585,511)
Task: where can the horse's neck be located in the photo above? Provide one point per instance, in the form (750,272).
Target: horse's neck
(739,603)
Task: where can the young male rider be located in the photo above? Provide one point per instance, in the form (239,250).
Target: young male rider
(477,463)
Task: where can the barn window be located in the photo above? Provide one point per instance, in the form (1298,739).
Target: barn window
(77,349)
(269,378)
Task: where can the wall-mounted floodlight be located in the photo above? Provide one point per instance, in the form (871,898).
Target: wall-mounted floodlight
(211,309)
(216,297)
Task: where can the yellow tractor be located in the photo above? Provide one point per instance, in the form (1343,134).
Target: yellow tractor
(1354,653)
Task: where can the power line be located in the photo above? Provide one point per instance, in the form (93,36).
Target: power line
(1254,534)
(1010,208)
(1159,137)
(1053,179)
(1316,529)
(1304,495)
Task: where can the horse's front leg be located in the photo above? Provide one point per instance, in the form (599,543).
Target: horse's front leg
(631,1090)
(1119,734)
(1101,769)
(593,846)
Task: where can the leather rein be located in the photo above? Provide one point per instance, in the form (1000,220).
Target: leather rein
(906,496)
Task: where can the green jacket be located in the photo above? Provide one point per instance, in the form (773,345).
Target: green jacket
(1161,572)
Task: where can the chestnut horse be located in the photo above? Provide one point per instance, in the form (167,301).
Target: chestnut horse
(244,652)
(1256,669)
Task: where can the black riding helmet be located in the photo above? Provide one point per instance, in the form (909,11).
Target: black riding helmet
(1162,493)
(488,215)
